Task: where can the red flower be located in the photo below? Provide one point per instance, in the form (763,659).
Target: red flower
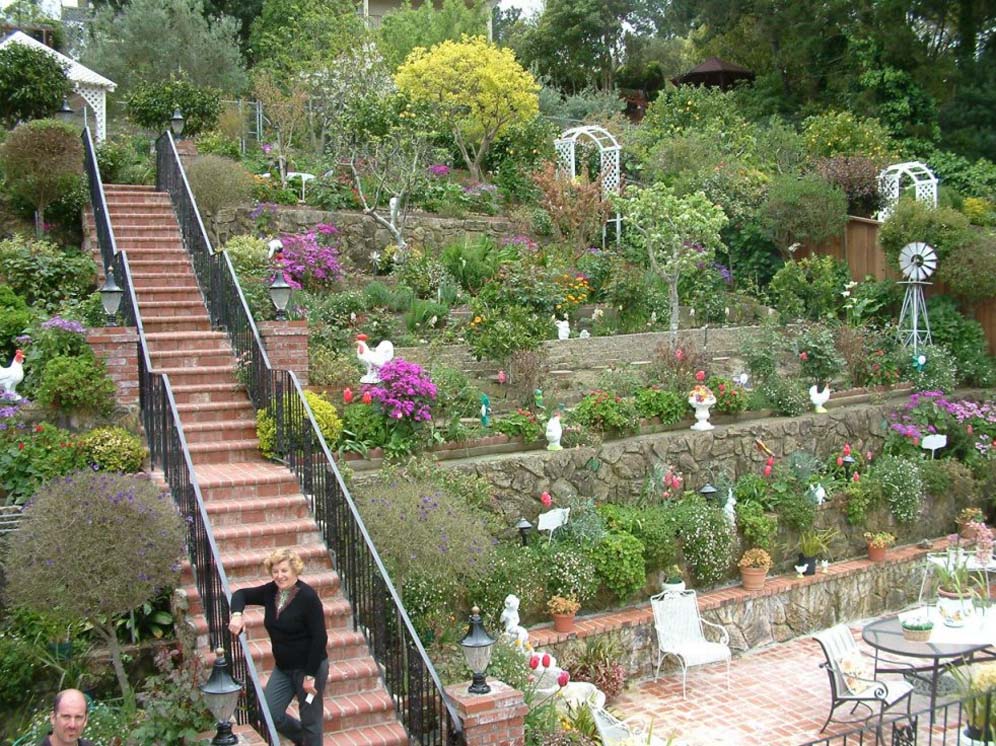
(546,499)
(563,679)
(847,449)
(366,398)
(770,461)
(722,387)
(916,441)
(840,461)
(347,395)
(20,446)
(546,660)
(804,356)
(700,375)
(968,429)
(767,470)
(679,354)
(38,428)
(868,455)
(856,477)
(534,662)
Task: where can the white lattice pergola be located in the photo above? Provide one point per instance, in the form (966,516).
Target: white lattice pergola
(90,86)
(608,154)
(890,185)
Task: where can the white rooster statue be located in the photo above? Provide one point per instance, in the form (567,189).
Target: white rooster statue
(12,375)
(554,432)
(373,359)
(819,398)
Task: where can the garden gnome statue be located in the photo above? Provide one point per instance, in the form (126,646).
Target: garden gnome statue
(730,509)
(485,410)
(538,399)
(554,431)
(563,328)
(510,620)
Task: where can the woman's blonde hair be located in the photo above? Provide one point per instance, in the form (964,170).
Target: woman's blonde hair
(284,555)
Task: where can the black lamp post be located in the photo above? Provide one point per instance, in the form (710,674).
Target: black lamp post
(524,527)
(280,293)
(708,491)
(176,123)
(477,646)
(849,462)
(221,693)
(65,112)
(110,296)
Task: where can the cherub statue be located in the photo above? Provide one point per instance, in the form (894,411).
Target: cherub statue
(510,620)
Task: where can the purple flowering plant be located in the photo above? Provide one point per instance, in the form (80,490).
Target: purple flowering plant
(970,425)
(438,170)
(311,260)
(405,392)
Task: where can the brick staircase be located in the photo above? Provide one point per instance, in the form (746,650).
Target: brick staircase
(254,505)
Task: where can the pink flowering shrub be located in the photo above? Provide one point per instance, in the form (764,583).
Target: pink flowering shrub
(405,391)
(311,260)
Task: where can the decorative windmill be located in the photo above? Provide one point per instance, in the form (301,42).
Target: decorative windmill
(917,262)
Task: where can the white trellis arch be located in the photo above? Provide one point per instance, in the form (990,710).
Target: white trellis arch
(890,185)
(608,155)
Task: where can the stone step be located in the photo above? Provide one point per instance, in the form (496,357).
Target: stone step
(227,452)
(252,479)
(228,391)
(222,430)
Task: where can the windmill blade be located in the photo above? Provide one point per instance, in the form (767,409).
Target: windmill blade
(917,261)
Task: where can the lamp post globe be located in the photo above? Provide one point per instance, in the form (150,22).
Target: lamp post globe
(221,694)
(110,296)
(477,646)
(524,527)
(176,123)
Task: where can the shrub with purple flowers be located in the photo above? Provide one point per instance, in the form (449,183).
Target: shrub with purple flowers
(94,546)
(969,425)
(405,391)
(312,259)
(264,215)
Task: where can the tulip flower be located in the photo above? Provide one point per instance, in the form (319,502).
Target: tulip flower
(767,470)
(770,461)
(366,399)
(534,662)
(840,461)
(347,395)
(502,376)
(804,356)
(856,477)
(847,449)
(563,679)
(546,499)
(700,375)
(546,660)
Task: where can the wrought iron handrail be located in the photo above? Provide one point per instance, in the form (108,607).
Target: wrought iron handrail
(953,723)
(419,698)
(168,450)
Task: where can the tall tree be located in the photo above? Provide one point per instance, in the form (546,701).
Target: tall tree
(32,84)
(289,36)
(406,28)
(152,40)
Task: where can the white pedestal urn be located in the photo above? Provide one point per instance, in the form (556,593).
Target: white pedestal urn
(701,399)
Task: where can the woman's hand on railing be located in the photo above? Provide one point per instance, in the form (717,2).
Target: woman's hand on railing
(236,625)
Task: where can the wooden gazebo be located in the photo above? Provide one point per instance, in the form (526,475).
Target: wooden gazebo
(716,73)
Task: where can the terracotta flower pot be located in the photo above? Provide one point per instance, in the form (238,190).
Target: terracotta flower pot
(876,554)
(563,622)
(753,578)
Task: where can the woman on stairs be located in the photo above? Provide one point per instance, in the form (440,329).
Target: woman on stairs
(295,621)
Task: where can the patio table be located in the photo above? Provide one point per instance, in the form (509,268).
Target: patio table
(947,645)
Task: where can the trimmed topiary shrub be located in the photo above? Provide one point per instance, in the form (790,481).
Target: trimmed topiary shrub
(805,210)
(326,417)
(32,84)
(944,228)
(113,449)
(77,384)
(618,560)
(151,105)
(970,269)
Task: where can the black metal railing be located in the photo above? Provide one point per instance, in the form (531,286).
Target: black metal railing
(955,723)
(168,451)
(421,704)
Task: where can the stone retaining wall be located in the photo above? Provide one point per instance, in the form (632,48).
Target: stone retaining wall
(359,234)
(785,609)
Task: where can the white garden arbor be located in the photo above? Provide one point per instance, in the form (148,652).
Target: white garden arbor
(90,86)
(890,185)
(608,158)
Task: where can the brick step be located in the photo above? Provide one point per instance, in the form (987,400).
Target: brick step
(185,375)
(183,292)
(159,231)
(374,707)
(246,565)
(200,323)
(153,217)
(194,414)
(337,616)
(129,188)
(143,279)
(116,200)
(344,645)
(177,266)
(347,677)
(180,306)
(326,585)
(253,479)
(214,393)
(186,341)
(224,453)
(222,430)
(149,247)
(388,734)
(266,536)
(192,358)
(247,511)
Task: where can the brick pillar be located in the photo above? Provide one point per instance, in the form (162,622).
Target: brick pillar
(187,150)
(493,719)
(286,345)
(117,346)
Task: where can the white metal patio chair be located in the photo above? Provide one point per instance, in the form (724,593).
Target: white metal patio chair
(852,677)
(681,634)
(630,732)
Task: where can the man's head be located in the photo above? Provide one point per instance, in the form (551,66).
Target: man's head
(68,717)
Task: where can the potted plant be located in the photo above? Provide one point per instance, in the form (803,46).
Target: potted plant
(878,542)
(976,683)
(563,609)
(754,566)
(813,544)
(701,398)
(966,517)
(917,629)
(674,580)
(956,589)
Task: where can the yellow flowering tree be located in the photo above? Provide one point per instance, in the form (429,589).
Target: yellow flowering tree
(478,89)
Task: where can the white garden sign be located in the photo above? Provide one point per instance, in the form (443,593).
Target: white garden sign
(608,153)
(890,185)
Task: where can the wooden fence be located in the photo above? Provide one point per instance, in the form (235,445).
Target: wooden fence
(859,248)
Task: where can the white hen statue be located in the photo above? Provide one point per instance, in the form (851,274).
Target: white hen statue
(373,359)
(12,375)
(819,398)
